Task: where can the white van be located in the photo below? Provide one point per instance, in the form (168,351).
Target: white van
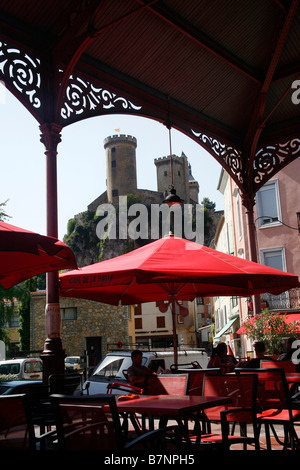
(26,368)
(110,369)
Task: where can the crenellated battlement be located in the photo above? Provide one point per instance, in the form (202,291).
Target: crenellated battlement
(120,139)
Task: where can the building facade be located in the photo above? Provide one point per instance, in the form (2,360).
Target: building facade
(278,246)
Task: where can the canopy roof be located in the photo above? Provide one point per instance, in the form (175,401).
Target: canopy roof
(221,72)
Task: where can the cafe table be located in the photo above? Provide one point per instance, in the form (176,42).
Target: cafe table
(165,407)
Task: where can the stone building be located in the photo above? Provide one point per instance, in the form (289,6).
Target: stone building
(87,326)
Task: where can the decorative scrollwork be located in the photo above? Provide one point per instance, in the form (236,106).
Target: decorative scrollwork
(22,72)
(82,97)
(271,157)
(231,156)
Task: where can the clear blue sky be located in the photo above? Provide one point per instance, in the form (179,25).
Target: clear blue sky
(81,163)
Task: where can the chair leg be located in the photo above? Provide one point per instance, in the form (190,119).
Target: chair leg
(268,438)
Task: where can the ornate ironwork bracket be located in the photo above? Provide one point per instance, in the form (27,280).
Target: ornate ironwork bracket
(268,160)
(83,99)
(271,158)
(229,157)
(22,73)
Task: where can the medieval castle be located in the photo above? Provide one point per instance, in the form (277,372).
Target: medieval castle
(121,175)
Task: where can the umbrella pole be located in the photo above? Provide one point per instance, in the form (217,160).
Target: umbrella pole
(174,331)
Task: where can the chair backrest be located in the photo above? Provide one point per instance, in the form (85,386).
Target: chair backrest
(287,366)
(64,383)
(196,377)
(166,384)
(14,432)
(87,423)
(240,388)
(272,388)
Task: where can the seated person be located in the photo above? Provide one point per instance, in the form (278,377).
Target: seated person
(221,359)
(260,350)
(137,372)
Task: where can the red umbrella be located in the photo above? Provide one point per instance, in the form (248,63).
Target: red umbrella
(172,269)
(24,254)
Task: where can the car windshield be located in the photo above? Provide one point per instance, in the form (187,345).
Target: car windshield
(72,360)
(10,368)
(33,366)
(109,367)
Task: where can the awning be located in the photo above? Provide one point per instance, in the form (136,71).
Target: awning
(290,318)
(226,327)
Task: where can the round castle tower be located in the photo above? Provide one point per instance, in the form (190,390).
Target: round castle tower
(121,176)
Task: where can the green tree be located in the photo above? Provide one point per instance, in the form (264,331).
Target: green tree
(210,221)
(270,328)
(3,215)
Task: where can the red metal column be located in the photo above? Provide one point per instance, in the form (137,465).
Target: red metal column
(53,354)
(248,201)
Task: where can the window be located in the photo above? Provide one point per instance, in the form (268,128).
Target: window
(274,258)
(165,173)
(14,321)
(138,309)
(69,313)
(138,323)
(268,204)
(113,163)
(115,192)
(160,322)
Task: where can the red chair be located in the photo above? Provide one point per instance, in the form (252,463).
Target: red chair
(288,366)
(15,433)
(92,423)
(274,405)
(166,384)
(242,410)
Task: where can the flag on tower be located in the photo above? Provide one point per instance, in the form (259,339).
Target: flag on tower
(117,130)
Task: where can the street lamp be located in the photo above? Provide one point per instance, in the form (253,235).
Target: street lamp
(172,199)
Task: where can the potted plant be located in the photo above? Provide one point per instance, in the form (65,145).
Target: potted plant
(271,328)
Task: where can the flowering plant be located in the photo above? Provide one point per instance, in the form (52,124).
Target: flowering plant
(270,328)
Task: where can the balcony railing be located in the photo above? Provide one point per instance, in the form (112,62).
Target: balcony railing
(286,300)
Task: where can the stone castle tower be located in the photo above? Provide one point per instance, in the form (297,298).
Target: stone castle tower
(121,175)
(186,186)
(120,166)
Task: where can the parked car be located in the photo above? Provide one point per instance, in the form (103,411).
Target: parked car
(14,387)
(23,368)
(72,363)
(111,368)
